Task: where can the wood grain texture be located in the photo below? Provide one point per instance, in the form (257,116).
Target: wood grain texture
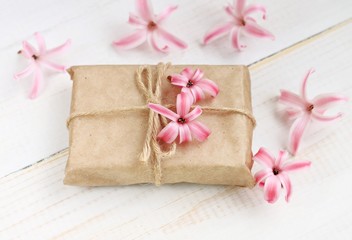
(35,205)
(34,130)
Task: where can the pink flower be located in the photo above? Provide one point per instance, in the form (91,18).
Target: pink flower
(38,58)
(241,21)
(183,122)
(275,173)
(149,28)
(303,110)
(193,83)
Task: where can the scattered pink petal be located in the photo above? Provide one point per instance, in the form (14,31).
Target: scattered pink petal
(303,110)
(37,59)
(274,174)
(168,37)
(235,38)
(218,32)
(255,30)
(194,83)
(241,21)
(264,157)
(152,39)
(183,122)
(38,78)
(133,40)
(296,132)
(166,13)
(59,49)
(272,189)
(255,8)
(150,29)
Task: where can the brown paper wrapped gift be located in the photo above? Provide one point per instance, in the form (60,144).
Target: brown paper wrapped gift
(110,129)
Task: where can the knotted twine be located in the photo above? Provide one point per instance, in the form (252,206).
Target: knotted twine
(150,86)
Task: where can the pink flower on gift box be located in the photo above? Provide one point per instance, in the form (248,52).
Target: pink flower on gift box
(183,122)
(304,110)
(194,83)
(149,29)
(241,22)
(39,58)
(274,175)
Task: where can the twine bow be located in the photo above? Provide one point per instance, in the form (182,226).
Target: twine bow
(151,89)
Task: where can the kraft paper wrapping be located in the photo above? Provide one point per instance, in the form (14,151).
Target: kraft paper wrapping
(104,149)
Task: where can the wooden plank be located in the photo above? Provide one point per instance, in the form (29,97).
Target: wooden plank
(35,130)
(34,200)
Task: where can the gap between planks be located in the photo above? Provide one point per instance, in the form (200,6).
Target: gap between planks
(252,66)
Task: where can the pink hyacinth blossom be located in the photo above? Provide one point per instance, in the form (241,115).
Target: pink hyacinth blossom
(241,22)
(148,28)
(274,175)
(303,110)
(183,122)
(194,83)
(39,58)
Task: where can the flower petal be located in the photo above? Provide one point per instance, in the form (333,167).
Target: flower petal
(208,86)
(185,133)
(198,75)
(164,111)
(144,9)
(168,37)
(135,20)
(286,183)
(196,112)
(235,38)
(179,80)
(272,189)
(264,157)
(293,113)
(153,42)
(53,66)
(304,83)
(261,175)
(41,43)
(24,73)
(199,130)
(169,133)
(217,32)
(254,29)
(165,14)
(197,93)
(131,41)
(324,101)
(189,92)
(188,73)
(291,99)
(59,48)
(28,50)
(38,78)
(255,8)
(183,104)
(296,132)
(239,6)
(282,157)
(230,11)
(296,165)
(320,117)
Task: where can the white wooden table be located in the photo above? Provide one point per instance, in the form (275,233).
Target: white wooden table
(34,204)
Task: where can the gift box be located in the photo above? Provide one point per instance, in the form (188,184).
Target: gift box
(112,131)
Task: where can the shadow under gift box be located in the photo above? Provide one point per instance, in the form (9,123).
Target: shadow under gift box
(104,149)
